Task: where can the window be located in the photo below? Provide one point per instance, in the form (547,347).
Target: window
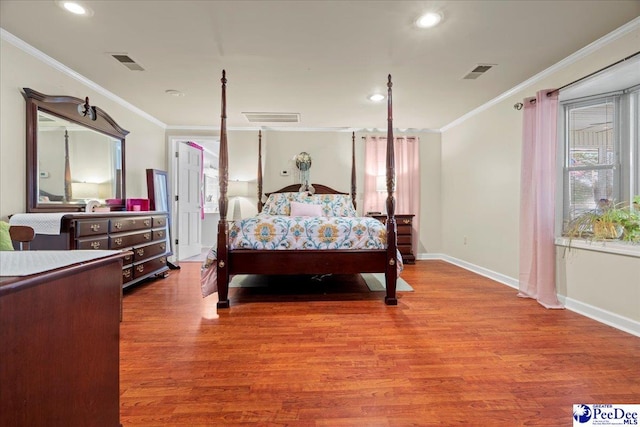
(601,160)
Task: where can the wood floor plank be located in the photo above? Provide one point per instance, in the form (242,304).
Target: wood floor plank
(459,350)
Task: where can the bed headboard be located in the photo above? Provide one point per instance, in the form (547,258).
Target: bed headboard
(320,189)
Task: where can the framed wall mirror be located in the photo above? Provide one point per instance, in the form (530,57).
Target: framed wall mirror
(75,153)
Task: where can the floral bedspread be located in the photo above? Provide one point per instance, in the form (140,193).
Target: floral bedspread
(280,232)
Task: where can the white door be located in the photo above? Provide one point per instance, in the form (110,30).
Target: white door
(189,201)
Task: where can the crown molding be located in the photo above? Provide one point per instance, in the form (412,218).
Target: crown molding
(27,48)
(630,26)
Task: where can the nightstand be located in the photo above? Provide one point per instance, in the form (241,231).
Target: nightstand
(404,226)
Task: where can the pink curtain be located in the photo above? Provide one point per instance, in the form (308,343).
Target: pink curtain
(407,167)
(537,200)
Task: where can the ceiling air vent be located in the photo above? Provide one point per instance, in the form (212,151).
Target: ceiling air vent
(273,117)
(479,70)
(125,60)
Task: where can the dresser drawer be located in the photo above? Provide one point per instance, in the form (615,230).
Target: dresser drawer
(118,225)
(127,274)
(404,221)
(159,234)
(101,242)
(91,228)
(403,229)
(128,259)
(125,240)
(141,253)
(150,266)
(404,240)
(159,221)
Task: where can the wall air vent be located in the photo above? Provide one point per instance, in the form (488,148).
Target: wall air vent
(478,70)
(125,60)
(272,117)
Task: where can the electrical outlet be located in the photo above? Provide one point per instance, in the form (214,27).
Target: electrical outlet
(465,240)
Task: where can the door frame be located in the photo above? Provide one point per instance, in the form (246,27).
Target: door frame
(172,170)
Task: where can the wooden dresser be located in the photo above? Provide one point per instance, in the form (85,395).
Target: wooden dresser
(59,344)
(145,234)
(404,225)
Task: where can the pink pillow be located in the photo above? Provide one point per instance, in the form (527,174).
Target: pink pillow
(305,209)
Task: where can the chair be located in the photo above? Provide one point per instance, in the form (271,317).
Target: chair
(23,234)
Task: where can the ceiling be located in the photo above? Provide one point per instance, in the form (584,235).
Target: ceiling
(320,59)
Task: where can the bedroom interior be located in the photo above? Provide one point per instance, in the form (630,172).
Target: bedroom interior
(455,343)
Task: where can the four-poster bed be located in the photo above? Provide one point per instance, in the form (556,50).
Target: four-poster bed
(368,255)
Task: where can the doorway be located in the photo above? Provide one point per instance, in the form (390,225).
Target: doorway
(192,158)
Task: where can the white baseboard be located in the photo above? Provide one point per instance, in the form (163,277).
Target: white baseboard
(603,316)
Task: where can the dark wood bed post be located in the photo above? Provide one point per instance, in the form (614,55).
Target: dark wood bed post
(391,273)
(353,169)
(259,171)
(223,226)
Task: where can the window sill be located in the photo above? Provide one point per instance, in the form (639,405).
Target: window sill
(612,247)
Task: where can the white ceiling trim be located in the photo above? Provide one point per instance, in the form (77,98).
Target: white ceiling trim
(580,54)
(20,44)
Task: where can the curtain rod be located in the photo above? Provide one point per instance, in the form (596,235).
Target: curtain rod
(592,74)
(519,105)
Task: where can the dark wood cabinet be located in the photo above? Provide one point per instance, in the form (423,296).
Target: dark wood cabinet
(404,225)
(59,345)
(145,234)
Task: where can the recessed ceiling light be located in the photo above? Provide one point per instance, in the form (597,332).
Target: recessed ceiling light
(75,8)
(173,92)
(429,20)
(376,97)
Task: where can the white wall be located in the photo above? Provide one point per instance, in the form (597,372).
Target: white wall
(480,197)
(144,147)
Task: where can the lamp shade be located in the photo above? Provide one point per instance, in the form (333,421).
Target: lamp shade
(381,183)
(85,190)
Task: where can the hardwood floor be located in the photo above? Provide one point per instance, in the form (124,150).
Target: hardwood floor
(459,350)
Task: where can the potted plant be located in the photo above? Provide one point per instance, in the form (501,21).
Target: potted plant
(608,221)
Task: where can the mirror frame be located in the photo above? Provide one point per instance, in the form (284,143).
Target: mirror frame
(65,107)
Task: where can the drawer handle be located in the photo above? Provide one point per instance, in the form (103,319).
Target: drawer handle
(95,245)
(140,252)
(95,227)
(163,247)
(126,274)
(147,222)
(140,268)
(118,241)
(118,225)
(147,236)
(406,221)
(163,260)
(160,234)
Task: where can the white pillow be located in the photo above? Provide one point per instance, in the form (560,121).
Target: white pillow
(305,209)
